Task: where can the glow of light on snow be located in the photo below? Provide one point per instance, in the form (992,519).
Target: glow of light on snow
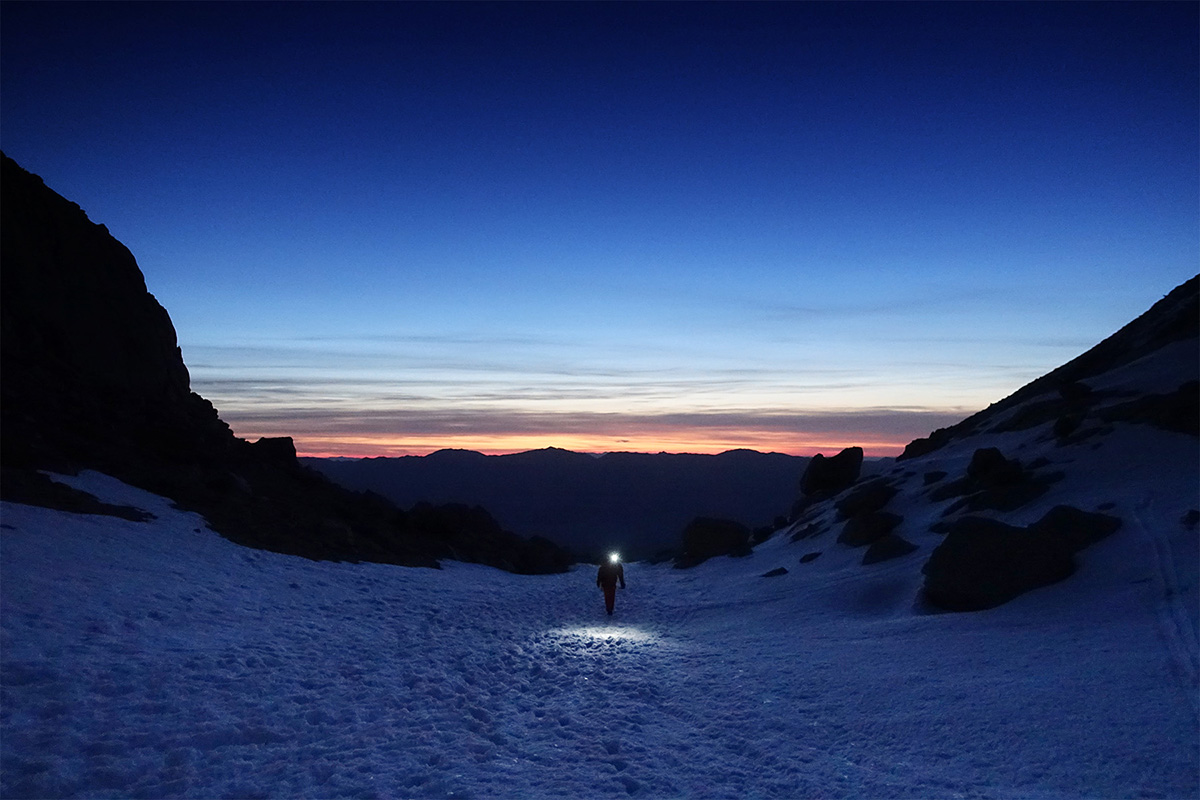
(624,633)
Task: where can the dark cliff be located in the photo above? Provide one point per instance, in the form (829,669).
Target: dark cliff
(91,377)
(91,370)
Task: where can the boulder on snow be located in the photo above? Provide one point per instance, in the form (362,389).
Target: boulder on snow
(1067,424)
(1177,411)
(807,557)
(993,483)
(825,477)
(706,537)
(871,496)
(808,531)
(1077,528)
(775,573)
(934,476)
(984,563)
(1009,497)
(36,489)
(886,548)
(868,528)
(989,467)
(927,444)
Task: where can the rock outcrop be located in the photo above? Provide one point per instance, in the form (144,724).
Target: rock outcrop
(886,548)
(984,563)
(965,494)
(825,477)
(93,378)
(994,483)
(92,373)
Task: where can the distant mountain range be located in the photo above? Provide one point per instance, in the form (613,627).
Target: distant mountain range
(638,503)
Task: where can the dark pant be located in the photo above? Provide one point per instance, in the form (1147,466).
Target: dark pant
(610,596)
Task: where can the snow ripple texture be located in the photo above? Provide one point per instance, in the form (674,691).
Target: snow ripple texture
(159,660)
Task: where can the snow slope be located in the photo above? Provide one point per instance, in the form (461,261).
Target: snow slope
(157,659)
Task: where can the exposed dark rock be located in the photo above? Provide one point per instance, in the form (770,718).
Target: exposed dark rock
(93,378)
(775,573)
(35,489)
(808,532)
(472,534)
(955,488)
(994,483)
(889,547)
(1075,392)
(926,444)
(1191,519)
(1077,528)
(281,450)
(92,371)
(989,468)
(1177,411)
(934,476)
(761,534)
(808,557)
(983,563)
(1067,424)
(871,496)
(1010,497)
(826,477)
(868,528)
(663,556)
(707,537)
(1055,407)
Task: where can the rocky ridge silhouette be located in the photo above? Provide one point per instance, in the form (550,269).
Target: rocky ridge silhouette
(999,527)
(93,378)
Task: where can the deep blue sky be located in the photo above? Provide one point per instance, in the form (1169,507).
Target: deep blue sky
(389,227)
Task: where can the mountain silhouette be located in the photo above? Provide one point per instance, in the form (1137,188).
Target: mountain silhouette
(638,503)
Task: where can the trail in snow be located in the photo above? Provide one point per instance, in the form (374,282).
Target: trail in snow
(1176,623)
(157,659)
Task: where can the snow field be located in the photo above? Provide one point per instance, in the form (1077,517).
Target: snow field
(159,660)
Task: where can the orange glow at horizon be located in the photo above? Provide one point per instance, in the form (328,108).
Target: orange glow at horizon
(704,441)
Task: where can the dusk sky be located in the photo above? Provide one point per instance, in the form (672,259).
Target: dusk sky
(390,228)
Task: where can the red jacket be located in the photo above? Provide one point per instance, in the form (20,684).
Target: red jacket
(609,574)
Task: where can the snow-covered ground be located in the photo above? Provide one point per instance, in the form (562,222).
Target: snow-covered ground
(159,660)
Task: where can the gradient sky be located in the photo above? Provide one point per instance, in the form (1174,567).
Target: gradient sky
(390,228)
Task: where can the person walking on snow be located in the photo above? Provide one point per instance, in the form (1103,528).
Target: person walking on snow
(607,577)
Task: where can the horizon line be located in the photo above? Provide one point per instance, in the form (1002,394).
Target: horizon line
(596,453)
(871,449)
